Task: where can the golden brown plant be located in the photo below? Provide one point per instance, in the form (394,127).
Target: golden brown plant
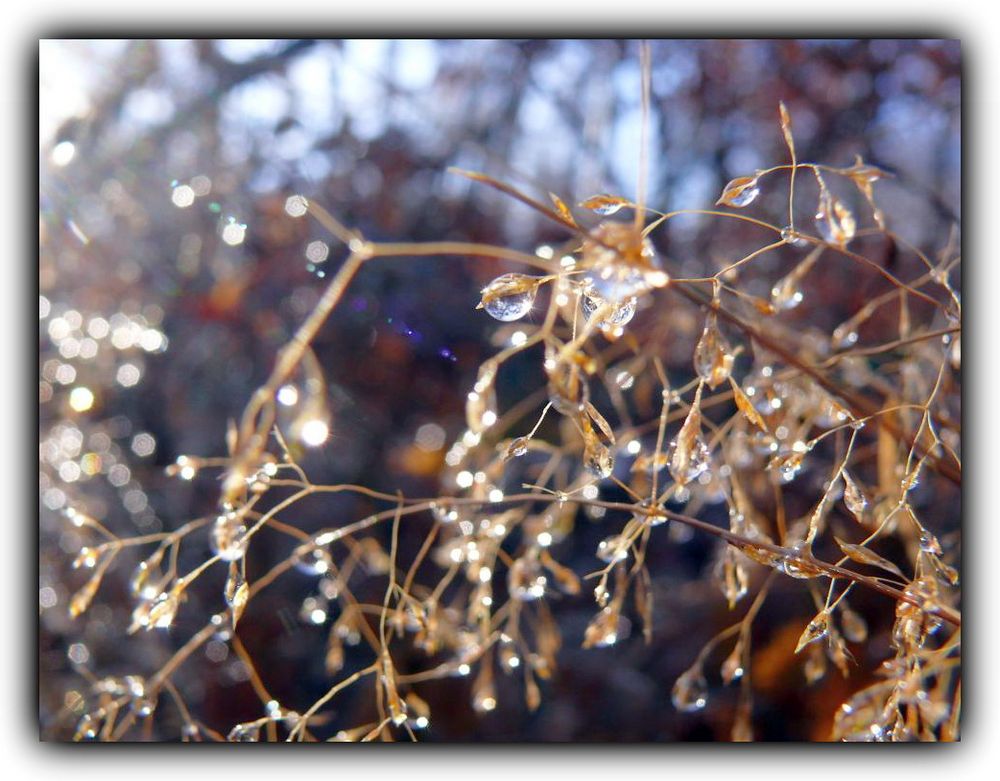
(766,402)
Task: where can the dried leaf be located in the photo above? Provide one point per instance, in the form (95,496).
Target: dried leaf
(713,357)
(517,448)
(532,694)
(863,176)
(766,308)
(786,127)
(601,422)
(744,405)
(863,555)
(817,517)
(597,457)
(512,192)
(565,577)
(686,454)
(236,591)
(562,208)
(240,602)
(81,599)
(742,731)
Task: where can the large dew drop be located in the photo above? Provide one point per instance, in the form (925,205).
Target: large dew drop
(509,297)
(621,263)
(740,192)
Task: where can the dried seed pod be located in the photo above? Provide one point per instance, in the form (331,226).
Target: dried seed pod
(713,357)
(689,455)
(815,630)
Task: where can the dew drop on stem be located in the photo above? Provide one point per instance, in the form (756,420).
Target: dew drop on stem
(690,692)
(509,297)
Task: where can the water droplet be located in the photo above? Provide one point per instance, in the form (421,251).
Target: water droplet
(314,562)
(854,498)
(233,232)
(597,459)
(618,315)
(698,460)
(732,667)
(621,262)
(87,558)
(654,516)
(525,580)
(929,543)
(143,706)
(690,692)
(509,297)
(517,448)
(713,358)
(313,432)
(162,611)
(834,220)
(624,379)
(788,465)
(815,630)
(444,513)
(601,594)
(604,204)
(182,196)
(228,538)
(733,577)
(791,236)
(739,192)
(786,294)
(317,251)
(244,733)
(296,206)
(606,628)
(613,549)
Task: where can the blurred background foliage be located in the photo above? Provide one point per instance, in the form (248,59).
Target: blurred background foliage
(170,274)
